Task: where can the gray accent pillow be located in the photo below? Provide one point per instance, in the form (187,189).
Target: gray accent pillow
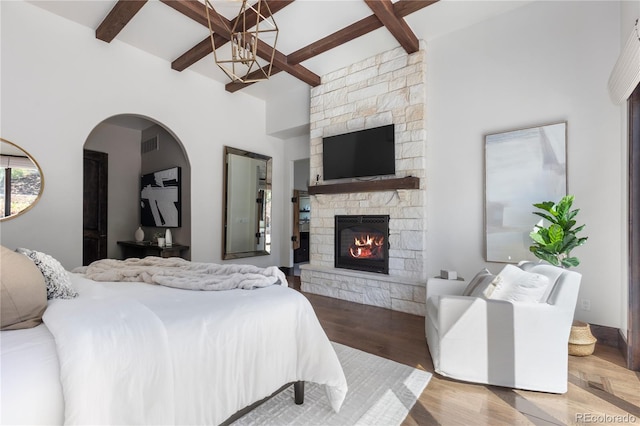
(55,276)
(479,283)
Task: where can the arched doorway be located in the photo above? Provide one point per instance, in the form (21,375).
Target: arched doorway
(134,145)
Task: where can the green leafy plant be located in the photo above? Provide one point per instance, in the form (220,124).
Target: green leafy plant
(555,242)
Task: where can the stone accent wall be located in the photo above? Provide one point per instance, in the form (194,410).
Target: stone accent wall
(385,89)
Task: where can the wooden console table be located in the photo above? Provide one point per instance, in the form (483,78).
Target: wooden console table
(147,248)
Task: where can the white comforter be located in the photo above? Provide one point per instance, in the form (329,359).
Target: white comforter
(134,353)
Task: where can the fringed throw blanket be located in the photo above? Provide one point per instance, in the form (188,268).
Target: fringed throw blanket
(179,273)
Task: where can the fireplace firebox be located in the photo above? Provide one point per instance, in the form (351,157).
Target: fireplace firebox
(362,243)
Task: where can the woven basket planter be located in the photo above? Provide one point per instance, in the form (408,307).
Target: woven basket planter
(581,341)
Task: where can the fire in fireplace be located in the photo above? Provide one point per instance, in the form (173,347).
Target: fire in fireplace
(362,243)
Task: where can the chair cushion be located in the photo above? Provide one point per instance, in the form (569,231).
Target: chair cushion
(24,294)
(432,310)
(515,285)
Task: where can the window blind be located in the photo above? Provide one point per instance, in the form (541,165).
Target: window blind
(16,162)
(626,72)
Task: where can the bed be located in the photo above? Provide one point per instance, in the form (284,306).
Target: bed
(139,353)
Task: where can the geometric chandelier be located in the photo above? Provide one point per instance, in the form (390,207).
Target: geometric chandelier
(254,30)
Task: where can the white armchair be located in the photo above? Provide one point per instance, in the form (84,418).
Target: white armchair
(522,345)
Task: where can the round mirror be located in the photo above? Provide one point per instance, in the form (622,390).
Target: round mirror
(21,180)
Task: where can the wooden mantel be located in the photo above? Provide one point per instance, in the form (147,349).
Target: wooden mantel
(409,182)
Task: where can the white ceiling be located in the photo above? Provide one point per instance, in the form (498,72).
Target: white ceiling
(167,34)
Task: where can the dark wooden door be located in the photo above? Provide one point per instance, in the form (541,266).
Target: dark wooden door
(295,238)
(94,206)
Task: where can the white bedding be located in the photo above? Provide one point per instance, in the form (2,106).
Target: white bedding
(30,391)
(144,354)
(179,273)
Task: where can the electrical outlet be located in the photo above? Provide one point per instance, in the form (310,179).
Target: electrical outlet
(585,304)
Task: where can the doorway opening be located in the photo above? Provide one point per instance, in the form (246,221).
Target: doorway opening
(134,145)
(301,215)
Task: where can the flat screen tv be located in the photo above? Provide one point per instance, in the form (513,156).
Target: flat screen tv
(369,152)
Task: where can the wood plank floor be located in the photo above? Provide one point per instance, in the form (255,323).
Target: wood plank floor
(600,388)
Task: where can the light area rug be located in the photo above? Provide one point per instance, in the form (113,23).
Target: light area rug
(381,392)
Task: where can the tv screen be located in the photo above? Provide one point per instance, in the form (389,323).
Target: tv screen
(364,153)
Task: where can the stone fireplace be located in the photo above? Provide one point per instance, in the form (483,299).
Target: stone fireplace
(385,89)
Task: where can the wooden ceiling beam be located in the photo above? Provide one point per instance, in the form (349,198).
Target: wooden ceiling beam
(191,9)
(274,6)
(196,53)
(235,86)
(398,27)
(336,39)
(118,18)
(401,9)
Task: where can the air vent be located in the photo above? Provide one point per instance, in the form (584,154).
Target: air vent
(149,145)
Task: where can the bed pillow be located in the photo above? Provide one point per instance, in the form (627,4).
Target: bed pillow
(515,285)
(479,283)
(23,298)
(55,276)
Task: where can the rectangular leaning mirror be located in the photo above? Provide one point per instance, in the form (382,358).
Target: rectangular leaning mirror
(522,167)
(246,204)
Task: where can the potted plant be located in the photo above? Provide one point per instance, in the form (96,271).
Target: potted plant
(555,242)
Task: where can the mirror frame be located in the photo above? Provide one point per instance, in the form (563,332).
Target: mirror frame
(225,200)
(35,163)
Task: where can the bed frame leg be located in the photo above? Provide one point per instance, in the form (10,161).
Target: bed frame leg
(298,391)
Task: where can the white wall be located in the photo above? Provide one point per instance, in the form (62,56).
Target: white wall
(288,113)
(123,147)
(58,82)
(542,63)
(301,178)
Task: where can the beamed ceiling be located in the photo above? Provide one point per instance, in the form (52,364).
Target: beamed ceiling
(316,36)
(385,13)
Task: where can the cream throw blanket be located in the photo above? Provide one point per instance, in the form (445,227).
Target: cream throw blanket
(179,273)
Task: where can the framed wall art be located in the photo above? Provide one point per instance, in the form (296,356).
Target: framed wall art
(522,167)
(160,199)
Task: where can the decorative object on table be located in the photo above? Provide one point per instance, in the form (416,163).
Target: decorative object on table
(160,241)
(139,234)
(160,198)
(581,341)
(448,275)
(555,242)
(168,239)
(522,167)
